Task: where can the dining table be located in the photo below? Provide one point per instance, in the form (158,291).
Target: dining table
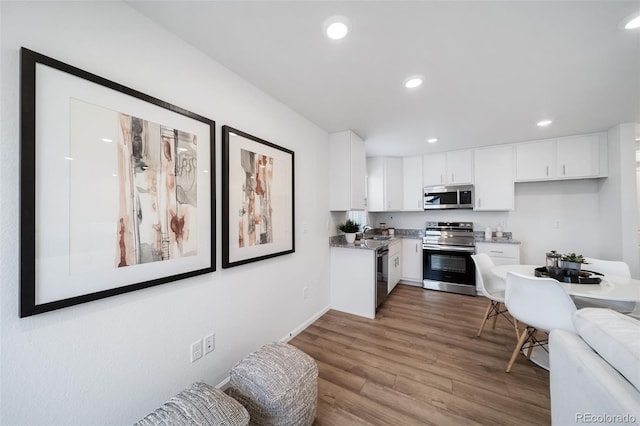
(611,287)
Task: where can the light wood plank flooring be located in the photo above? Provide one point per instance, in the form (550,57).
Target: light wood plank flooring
(420,363)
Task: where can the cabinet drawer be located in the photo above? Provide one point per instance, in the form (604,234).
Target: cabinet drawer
(499,250)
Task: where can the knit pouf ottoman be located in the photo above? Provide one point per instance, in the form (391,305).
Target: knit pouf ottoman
(277,384)
(199,404)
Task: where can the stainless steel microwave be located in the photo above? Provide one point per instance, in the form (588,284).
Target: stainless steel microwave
(448,197)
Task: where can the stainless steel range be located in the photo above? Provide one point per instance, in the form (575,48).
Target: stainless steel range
(446,250)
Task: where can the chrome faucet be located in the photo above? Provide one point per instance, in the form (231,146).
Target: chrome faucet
(365,228)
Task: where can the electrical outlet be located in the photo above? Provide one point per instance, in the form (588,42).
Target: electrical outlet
(209,343)
(305,293)
(196,350)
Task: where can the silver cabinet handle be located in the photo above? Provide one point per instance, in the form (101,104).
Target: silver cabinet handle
(547,171)
(416,248)
(452,178)
(496,251)
(441,178)
(564,170)
(479,202)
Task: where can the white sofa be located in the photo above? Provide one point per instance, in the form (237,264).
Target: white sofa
(595,374)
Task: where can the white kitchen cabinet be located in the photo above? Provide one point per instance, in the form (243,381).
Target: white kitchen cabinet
(578,156)
(571,157)
(535,160)
(384,183)
(412,261)
(500,253)
(347,172)
(395,264)
(434,169)
(493,178)
(413,188)
(450,168)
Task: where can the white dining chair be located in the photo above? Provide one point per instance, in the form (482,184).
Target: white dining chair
(540,303)
(492,287)
(606,267)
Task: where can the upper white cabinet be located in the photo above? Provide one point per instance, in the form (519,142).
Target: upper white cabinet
(493,178)
(450,168)
(571,157)
(413,189)
(535,160)
(347,172)
(578,156)
(384,183)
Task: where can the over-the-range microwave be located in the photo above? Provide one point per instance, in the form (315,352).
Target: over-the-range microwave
(448,197)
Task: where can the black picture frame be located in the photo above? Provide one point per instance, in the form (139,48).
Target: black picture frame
(62,108)
(258,201)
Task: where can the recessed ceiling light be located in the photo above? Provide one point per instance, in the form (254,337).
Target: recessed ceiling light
(432,140)
(336,27)
(107,140)
(631,22)
(544,123)
(413,82)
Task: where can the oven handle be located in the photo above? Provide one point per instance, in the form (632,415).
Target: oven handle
(448,248)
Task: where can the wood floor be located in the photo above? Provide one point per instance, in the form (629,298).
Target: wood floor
(420,363)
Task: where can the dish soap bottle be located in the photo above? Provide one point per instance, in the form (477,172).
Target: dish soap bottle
(499,231)
(487,233)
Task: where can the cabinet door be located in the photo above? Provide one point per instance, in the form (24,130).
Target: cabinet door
(412,184)
(375,184)
(578,156)
(535,160)
(358,173)
(459,167)
(395,271)
(434,169)
(494,186)
(393,183)
(347,172)
(412,260)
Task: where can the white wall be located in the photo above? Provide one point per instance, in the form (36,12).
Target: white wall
(113,360)
(619,217)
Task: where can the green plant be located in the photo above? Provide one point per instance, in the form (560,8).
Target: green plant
(572,257)
(349,227)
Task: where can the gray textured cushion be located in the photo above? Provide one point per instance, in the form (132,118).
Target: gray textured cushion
(199,404)
(278,384)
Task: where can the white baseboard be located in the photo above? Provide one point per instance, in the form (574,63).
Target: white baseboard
(304,325)
(224,385)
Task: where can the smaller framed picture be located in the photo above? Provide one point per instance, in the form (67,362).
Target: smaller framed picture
(258,199)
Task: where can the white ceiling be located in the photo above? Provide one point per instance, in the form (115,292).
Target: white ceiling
(492,69)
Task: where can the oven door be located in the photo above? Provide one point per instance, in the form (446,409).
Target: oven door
(453,265)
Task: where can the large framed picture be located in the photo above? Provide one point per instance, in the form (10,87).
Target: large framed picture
(117,188)
(258,199)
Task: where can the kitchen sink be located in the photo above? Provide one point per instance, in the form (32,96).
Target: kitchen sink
(379,238)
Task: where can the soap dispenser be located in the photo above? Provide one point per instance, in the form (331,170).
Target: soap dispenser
(499,231)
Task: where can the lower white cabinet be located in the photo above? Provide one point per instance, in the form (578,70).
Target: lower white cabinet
(395,264)
(412,261)
(500,253)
